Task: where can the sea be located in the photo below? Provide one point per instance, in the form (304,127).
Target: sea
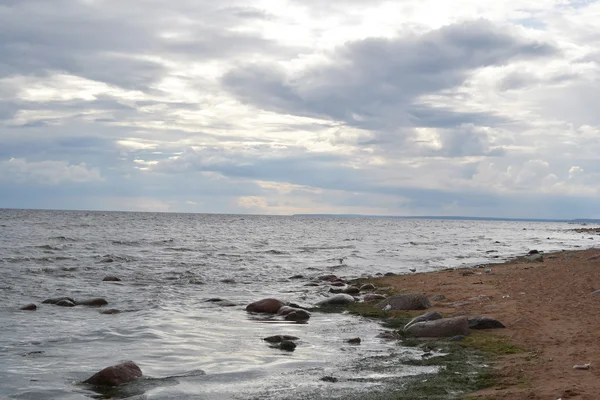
(171,264)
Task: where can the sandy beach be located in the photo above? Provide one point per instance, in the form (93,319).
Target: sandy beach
(548,309)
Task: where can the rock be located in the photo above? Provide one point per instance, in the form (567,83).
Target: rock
(297,315)
(269,306)
(410,301)
(596,291)
(328,278)
(116,375)
(388,335)
(351,290)
(110,311)
(485,323)
(287,345)
(331,379)
(313,284)
(228,280)
(296,277)
(227,303)
(338,284)
(57,299)
(280,338)
(535,258)
(445,327)
(338,299)
(430,316)
(389,274)
(367,286)
(355,340)
(438,297)
(29,307)
(65,303)
(373,297)
(97,302)
(533,252)
(111,278)
(194,281)
(456,338)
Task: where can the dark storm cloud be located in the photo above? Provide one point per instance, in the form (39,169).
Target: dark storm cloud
(375,83)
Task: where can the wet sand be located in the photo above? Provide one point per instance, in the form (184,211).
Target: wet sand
(548,309)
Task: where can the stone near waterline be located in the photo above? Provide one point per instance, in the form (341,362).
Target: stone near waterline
(373,297)
(312,284)
(388,335)
(111,278)
(438,297)
(116,375)
(285,310)
(328,278)
(592,258)
(338,283)
(456,338)
(535,258)
(406,301)
(296,277)
(367,286)
(110,311)
(194,281)
(298,315)
(29,307)
(57,299)
(485,323)
(226,303)
(389,274)
(445,327)
(287,345)
(338,299)
(351,290)
(65,303)
(97,302)
(355,340)
(331,379)
(228,280)
(430,316)
(280,338)
(533,252)
(267,306)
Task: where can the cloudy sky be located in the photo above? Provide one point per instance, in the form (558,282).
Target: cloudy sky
(405,107)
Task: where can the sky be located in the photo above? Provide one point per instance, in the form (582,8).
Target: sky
(405,107)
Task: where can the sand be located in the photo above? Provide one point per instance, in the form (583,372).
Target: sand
(548,309)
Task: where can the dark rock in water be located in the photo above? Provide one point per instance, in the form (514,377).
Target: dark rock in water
(285,310)
(227,303)
(338,283)
(228,280)
(287,345)
(355,340)
(57,299)
(367,286)
(29,307)
(334,290)
(194,281)
(351,290)
(296,277)
(213,300)
(331,379)
(485,323)
(111,278)
(280,338)
(445,327)
(388,335)
(430,316)
(373,297)
(116,375)
(389,274)
(110,311)
(269,306)
(65,303)
(535,258)
(97,302)
(297,315)
(408,301)
(533,252)
(312,284)
(338,299)
(328,278)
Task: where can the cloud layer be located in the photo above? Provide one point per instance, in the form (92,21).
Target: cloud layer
(299,107)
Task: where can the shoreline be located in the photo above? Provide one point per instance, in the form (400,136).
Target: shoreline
(549,312)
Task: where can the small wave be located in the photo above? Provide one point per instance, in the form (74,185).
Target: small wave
(312,248)
(125,242)
(49,247)
(276,252)
(178,249)
(110,258)
(63,239)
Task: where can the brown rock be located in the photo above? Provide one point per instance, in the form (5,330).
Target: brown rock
(269,306)
(446,327)
(351,290)
(367,286)
(116,375)
(409,301)
(297,315)
(29,307)
(97,302)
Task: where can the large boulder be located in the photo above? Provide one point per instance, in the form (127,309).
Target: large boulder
(116,375)
(445,327)
(407,301)
(97,302)
(268,306)
(338,299)
(485,323)
(430,316)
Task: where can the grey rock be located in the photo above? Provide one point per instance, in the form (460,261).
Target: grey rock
(355,340)
(65,303)
(367,286)
(445,327)
(57,299)
(111,278)
(29,307)
(97,302)
(338,299)
(268,306)
(535,258)
(280,338)
(485,323)
(430,316)
(351,290)
(297,315)
(408,301)
(287,345)
(297,277)
(110,311)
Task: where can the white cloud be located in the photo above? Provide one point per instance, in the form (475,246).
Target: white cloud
(47,172)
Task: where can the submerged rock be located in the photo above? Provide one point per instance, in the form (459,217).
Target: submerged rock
(446,327)
(116,375)
(111,278)
(279,338)
(338,299)
(430,316)
(29,307)
(287,345)
(110,311)
(355,340)
(331,379)
(408,301)
(485,323)
(65,303)
(297,315)
(57,299)
(268,306)
(97,302)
